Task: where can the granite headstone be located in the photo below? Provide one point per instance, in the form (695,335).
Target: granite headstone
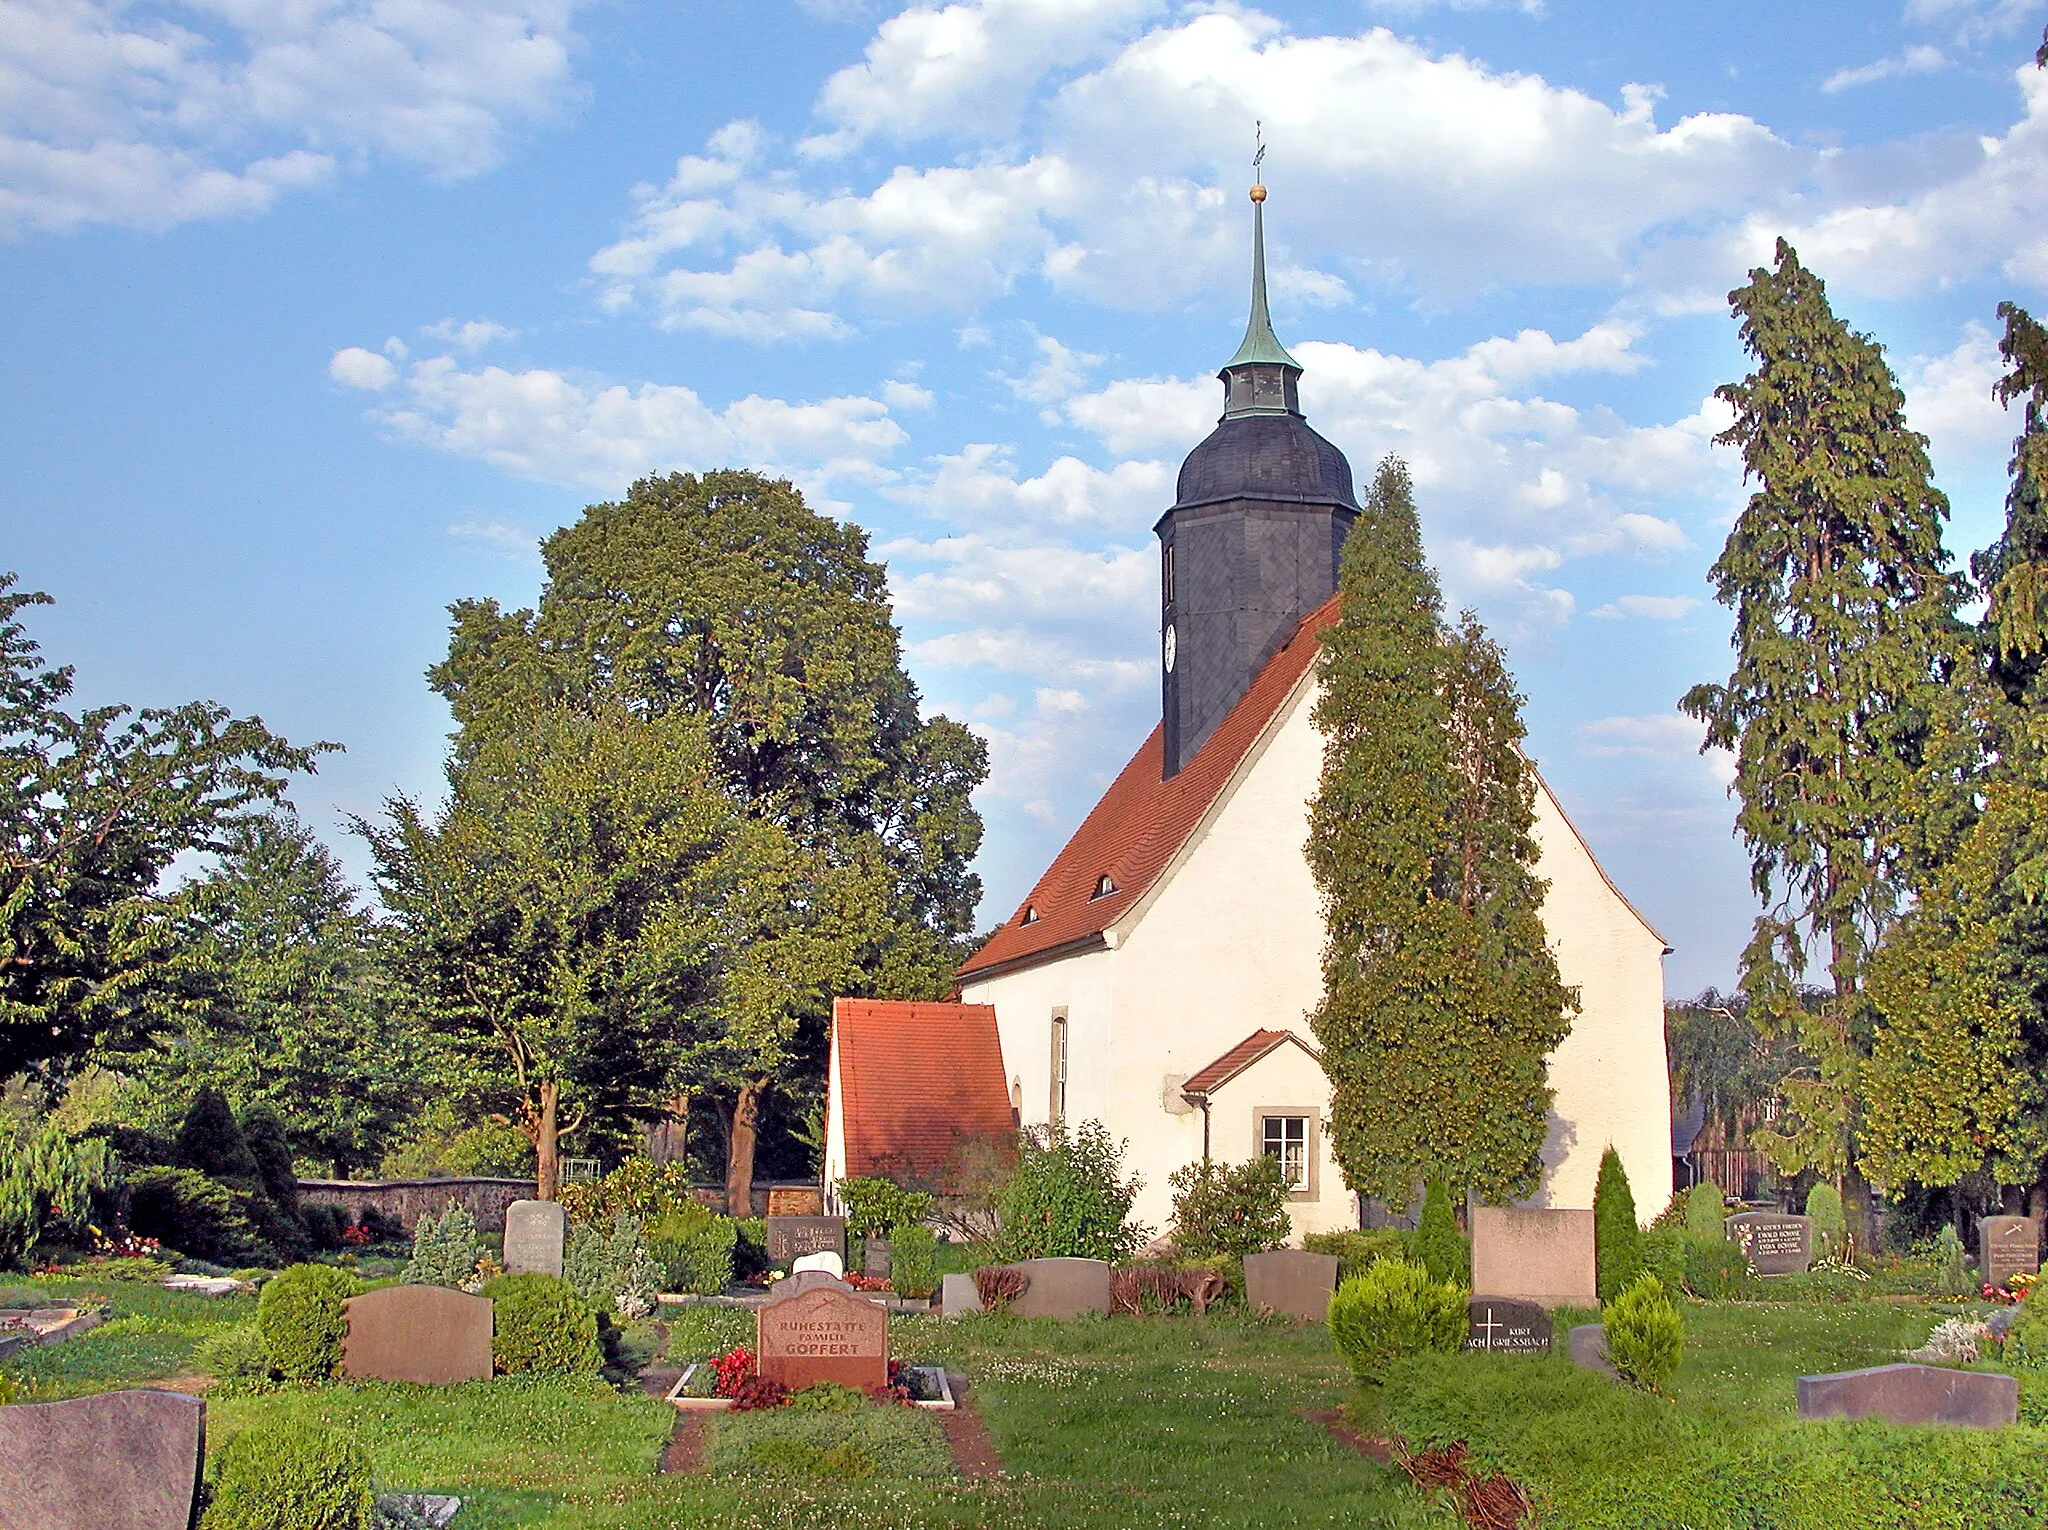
(823,1332)
(1913,1394)
(534,1234)
(1062,1288)
(1290,1282)
(1510,1327)
(1587,1347)
(2009,1246)
(790,1238)
(116,1461)
(1540,1256)
(957,1294)
(1774,1243)
(429,1335)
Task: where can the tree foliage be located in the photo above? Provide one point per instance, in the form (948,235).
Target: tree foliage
(726,601)
(95,806)
(1233,1209)
(1441,1000)
(1846,638)
(1067,1198)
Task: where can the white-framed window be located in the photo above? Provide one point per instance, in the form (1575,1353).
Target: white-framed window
(1290,1139)
(1056,1109)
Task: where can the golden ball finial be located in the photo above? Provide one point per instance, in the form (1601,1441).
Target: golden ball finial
(1258,193)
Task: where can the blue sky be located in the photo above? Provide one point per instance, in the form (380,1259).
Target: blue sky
(319,313)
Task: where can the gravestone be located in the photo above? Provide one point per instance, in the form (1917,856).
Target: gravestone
(429,1335)
(1913,1394)
(1510,1327)
(957,1294)
(117,1461)
(1539,1256)
(790,1238)
(1587,1347)
(1291,1282)
(1062,1288)
(1774,1243)
(2010,1246)
(534,1234)
(827,1261)
(823,1332)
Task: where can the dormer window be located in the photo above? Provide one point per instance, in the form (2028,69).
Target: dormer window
(1030,914)
(1104,886)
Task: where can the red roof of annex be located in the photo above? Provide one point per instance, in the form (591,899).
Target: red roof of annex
(915,1081)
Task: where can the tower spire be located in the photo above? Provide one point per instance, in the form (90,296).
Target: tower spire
(1259,379)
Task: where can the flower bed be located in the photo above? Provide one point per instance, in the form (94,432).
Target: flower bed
(728,1383)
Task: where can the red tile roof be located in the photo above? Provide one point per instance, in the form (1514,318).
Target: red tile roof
(1141,821)
(915,1082)
(1237,1059)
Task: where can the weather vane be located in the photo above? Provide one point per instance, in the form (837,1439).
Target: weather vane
(1258,159)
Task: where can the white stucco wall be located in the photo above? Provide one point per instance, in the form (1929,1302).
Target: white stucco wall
(1229,941)
(1284,1081)
(1609,1076)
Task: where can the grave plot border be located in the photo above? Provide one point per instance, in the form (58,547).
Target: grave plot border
(945,1402)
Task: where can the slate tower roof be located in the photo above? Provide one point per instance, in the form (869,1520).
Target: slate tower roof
(1250,546)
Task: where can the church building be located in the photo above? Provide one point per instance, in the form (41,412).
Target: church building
(1160,976)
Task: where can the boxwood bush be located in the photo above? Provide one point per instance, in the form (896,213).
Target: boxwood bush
(543,1327)
(1645,1336)
(301,1476)
(300,1317)
(1394,1310)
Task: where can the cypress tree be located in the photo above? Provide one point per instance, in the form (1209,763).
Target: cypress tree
(211,1142)
(1439,1247)
(1617,1239)
(1845,639)
(1441,1000)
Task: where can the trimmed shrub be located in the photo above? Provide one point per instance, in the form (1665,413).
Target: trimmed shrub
(639,1187)
(1663,1251)
(693,1249)
(299,1476)
(1953,1276)
(914,1260)
(876,1207)
(613,1271)
(1706,1209)
(211,1142)
(299,1314)
(1233,1209)
(1359,1250)
(1438,1246)
(1067,1198)
(1645,1335)
(2027,1339)
(1393,1310)
(233,1352)
(1830,1226)
(1716,1269)
(1617,1239)
(444,1252)
(543,1327)
(279,1216)
(325,1225)
(185,1210)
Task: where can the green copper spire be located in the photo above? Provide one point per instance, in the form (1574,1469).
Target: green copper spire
(1260,343)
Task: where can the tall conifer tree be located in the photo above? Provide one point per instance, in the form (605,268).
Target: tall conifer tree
(1954,1080)
(1845,640)
(1441,1000)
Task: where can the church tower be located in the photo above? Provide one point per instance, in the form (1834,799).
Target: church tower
(1250,546)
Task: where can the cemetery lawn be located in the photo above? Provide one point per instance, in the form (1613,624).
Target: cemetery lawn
(1726,1450)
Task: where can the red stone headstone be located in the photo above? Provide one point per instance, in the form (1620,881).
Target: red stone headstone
(823,1333)
(424,1334)
(115,1461)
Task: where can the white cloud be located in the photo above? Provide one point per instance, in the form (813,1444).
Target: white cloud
(470,335)
(559,429)
(979,486)
(507,542)
(1059,372)
(1918,59)
(1948,399)
(1051,588)
(1972,19)
(355,367)
(1658,736)
(147,115)
(1656,608)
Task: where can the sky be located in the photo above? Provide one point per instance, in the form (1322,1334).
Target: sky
(316,315)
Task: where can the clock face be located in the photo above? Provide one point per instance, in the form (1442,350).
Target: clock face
(1172,645)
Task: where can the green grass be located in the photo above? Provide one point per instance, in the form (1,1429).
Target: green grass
(1726,1451)
(870,1443)
(149,1335)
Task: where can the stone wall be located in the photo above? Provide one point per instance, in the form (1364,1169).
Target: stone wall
(485,1199)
